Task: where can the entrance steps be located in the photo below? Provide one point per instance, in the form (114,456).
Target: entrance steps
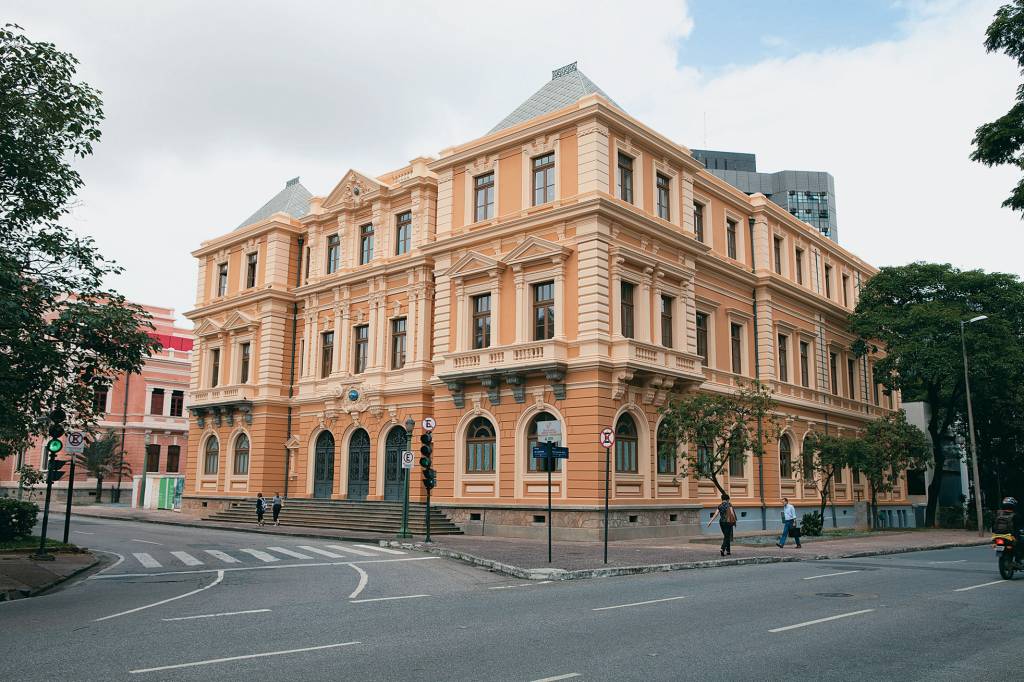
(372,517)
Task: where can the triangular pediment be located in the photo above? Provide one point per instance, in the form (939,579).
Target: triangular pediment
(536,249)
(351,189)
(292,443)
(474,263)
(237,321)
(208,328)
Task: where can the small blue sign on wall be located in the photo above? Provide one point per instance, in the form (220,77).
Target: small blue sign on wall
(540,452)
(353,394)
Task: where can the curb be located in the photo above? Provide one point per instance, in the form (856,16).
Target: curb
(901,550)
(11,595)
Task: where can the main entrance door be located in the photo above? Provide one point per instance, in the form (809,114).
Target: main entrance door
(359,465)
(323,466)
(396,442)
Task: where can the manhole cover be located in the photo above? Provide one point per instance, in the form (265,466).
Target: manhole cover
(834,594)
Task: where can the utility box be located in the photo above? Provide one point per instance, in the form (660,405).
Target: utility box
(860,516)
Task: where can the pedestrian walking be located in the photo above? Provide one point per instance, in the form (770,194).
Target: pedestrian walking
(788,517)
(796,531)
(261,508)
(275,507)
(726,515)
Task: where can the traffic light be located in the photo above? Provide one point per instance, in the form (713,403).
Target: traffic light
(57,418)
(426,450)
(56,470)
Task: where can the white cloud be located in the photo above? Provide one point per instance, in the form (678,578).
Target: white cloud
(212,106)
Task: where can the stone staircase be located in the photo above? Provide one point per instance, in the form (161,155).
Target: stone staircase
(369,517)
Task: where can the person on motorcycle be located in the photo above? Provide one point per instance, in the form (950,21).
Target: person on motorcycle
(1009,506)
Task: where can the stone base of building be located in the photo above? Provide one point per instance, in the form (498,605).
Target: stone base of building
(208,504)
(82,495)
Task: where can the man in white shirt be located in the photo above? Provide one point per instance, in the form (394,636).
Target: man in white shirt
(788,517)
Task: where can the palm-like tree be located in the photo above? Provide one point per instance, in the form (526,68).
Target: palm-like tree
(102,458)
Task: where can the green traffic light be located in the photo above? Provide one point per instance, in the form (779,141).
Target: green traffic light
(55,446)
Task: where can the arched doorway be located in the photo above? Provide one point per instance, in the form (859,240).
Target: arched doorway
(359,465)
(396,442)
(323,468)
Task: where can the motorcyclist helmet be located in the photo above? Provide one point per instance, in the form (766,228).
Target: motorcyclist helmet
(1010,503)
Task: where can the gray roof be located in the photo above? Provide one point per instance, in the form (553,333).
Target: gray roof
(567,85)
(293,200)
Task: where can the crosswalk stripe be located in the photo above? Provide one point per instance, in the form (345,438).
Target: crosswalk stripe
(324,552)
(186,558)
(290,552)
(382,549)
(217,554)
(262,556)
(146,560)
(346,548)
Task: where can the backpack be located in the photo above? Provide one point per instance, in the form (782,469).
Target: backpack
(1003,523)
(730,515)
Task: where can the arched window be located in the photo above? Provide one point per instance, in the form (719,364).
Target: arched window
(625,445)
(537,464)
(242,454)
(808,464)
(480,444)
(785,457)
(212,458)
(666,450)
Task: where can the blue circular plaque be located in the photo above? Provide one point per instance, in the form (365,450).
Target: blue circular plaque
(353,394)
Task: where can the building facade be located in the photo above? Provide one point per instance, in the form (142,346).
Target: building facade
(571,266)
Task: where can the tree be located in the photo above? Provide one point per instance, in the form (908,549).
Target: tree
(722,427)
(28,478)
(823,455)
(914,312)
(102,459)
(62,333)
(1000,142)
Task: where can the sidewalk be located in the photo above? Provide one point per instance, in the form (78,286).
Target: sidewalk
(21,576)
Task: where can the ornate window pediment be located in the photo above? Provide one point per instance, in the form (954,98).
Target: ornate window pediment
(535,249)
(238,322)
(352,190)
(474,263)
(208,328)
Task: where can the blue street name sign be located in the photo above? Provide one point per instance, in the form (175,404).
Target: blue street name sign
(540,452)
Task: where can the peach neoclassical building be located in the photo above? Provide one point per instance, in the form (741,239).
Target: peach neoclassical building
(572,265)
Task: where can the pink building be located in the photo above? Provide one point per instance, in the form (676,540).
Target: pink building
(148,407)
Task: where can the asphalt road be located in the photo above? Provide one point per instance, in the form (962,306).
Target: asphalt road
(189,604)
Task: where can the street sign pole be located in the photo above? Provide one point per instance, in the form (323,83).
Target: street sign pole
(607,481)
(427,538)
(410,423)
(41,554)
(549,462)
(71,491)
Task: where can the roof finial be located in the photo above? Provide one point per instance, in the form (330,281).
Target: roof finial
(558,73)
(293,181)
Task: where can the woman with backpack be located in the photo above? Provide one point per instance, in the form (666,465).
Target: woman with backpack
(261,508)
(726,515)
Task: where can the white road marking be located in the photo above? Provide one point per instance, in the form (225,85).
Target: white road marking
(324,552)
(954,561)
(638,603)
(240,658)
(821,620)
(148,542)
(363,578)
(147,560)
(262,556)
(352,550)
(386,550)
(220,577)
(289,552)
(408,596)
(83,532)
(256,568)
(120,560)
(186,558)
(974,587)
(829,575)
(218,615)
(529,584)
(217,554)
(568,676)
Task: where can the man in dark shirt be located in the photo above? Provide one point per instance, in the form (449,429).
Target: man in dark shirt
(726,516)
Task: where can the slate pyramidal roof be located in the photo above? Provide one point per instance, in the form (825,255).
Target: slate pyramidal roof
(567,85)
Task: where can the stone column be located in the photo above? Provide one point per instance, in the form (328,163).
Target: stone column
(644,307)
(522,306)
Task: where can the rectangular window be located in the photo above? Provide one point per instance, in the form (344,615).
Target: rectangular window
(243,367)
(626,309)
(365,243)
(309,252)
(482,321)
(99,400)
(702,337)
(544,179)
(833,370)
(783,357)
(846,291)
(736,464)
(362,334)
(152,458)
(403,233)
(214,367)
(398,343)
(698,221)
(250,270)
(730,238)
(736,346)
(222,279)
(839,476)
(625,184)
(875,393)
(799,266)
(663,184)
(333,253)
(156,401)
(778,255)
(173,458)
(326,354)
(805,364)
(483,193)
(667,303)
(851,381)
(543,311)
(177,403)
(828,281)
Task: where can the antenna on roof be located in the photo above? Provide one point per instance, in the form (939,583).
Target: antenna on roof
(558,73)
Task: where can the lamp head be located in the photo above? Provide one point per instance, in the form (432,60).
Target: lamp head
(410,423)
(979,318)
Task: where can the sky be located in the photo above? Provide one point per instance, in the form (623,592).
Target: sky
(211,107)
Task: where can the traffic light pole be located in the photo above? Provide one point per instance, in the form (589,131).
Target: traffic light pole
(71,490)
(427,538)
(607,482)
(41,555)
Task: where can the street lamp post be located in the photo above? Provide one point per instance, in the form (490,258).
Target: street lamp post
(970,423)
(410,424)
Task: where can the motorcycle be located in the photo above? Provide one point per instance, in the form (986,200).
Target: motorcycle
(1005,546)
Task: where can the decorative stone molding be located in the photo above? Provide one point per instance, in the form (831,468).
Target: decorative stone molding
(492,383)
(458,396)
(621,383)
(556,376)
(518,384)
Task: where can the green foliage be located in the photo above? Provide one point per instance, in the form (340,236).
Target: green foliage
(16,518)
(811,523)
(102,459)
(62,333)
(953,516)
(823,455)
(28,478)
(1000,142)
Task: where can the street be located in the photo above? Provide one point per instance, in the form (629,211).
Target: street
(184,603)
